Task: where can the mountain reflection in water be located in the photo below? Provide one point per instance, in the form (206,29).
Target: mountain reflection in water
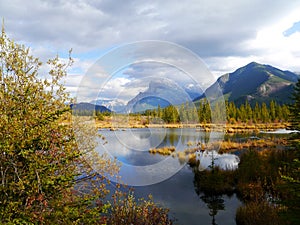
(184,193)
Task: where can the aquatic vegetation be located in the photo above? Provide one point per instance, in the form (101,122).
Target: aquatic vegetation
(168,150)
(259,213)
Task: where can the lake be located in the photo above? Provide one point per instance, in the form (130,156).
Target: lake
(171,182)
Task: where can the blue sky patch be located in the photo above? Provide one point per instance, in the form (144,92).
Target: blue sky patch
(293,29)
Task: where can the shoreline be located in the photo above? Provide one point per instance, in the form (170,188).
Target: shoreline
(227,128)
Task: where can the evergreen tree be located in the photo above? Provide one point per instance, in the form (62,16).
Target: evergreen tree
(193,114)
(188,112)
(159,113)
(295,107)
(248,110)
(242,113)
(232,112)
(264,113)
(217,114)
(279,114)
(273,110)
(200,112)
(206,112)
(256,113)
(285,112)
(182,114)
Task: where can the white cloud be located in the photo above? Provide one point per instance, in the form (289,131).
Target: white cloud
(278,49)
(226,35)
(97,24)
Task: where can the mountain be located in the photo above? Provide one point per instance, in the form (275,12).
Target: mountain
(115,105)
(161,93)
(256,83)
(84,106)
(193,90)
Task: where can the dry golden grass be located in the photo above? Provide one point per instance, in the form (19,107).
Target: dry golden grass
(189,154)
(168,150)
(125,121)
(229,146)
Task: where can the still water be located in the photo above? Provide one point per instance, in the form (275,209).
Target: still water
(170,181)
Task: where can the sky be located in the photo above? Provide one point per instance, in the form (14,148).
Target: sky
(225,34)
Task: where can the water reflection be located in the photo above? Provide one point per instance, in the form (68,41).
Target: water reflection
(214,203)
(172,138)
(212,186)
(131,148)
(186,193)
(224,161)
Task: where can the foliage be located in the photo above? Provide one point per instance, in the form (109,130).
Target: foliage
(289,186)
(259,213)
(266,181)
(127,210)
(38,154)
(214,182)
(203,112)
(47,164)
(250,166)
(294,108)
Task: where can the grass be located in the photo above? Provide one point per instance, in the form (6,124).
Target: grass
(168,150)
(189,154)
(222,146)
(259,213)
(124,121)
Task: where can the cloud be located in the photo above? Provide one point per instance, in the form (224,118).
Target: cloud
(86,25)
(118,88)
(147,71)
(140,63)
(226,35)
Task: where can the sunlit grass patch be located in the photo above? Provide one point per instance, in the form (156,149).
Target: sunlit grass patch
(167,150)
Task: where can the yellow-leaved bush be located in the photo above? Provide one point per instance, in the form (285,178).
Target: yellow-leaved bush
(41,160)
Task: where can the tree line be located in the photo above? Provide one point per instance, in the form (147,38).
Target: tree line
(204,112)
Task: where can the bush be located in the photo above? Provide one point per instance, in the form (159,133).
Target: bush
(258,213)
(41,153)
(142,212)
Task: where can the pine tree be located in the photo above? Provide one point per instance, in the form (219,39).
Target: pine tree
(295,107)
(182,114)
(206,111)
(265,113)
(285,112)
(200,112)
(273,110)
(242,113)
(159,113)
(249,111)
(193,114)
(257,113)
(232,112)
(279,114)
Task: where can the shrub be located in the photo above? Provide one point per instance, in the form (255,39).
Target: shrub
(127,210)
(258,213)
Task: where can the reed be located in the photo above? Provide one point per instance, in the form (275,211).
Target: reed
(167,150)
